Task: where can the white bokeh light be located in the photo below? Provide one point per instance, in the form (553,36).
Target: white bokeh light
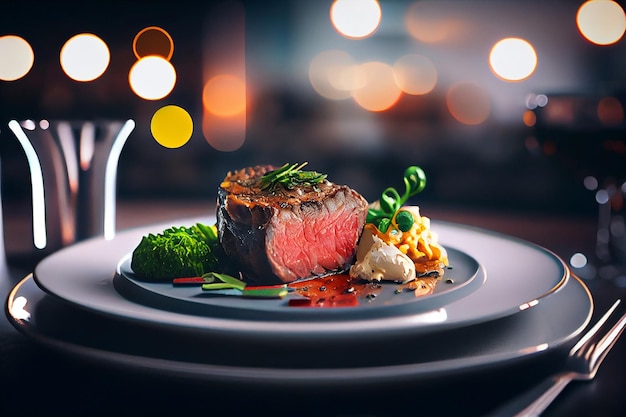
(578,260)
(355,19)
(602,22)
(513,59)
(152,77)
(17,57)
(85,57)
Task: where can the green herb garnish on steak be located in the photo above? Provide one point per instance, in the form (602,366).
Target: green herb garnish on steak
(290,176)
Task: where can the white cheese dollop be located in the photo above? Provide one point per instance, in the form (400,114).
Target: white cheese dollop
(377,260)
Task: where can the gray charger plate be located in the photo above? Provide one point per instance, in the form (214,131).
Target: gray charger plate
(108,341)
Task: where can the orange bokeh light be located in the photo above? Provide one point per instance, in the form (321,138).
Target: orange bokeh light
(225,134)
(610,111)
(431,26)
(153,40)
(468,103)
(529,118)
(224,95)
(379,91)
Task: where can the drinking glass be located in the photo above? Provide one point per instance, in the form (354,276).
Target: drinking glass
(73,170)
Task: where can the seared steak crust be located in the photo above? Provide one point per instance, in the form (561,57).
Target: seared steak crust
(284,235)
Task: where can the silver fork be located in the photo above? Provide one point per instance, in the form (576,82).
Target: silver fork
(583,362)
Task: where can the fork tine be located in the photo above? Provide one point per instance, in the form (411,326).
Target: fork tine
(583,340)
(606,343)
(589,351)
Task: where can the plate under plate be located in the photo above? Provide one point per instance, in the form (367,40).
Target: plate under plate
(106,340)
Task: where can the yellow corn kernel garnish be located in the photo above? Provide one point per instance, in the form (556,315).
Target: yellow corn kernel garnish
(418,243)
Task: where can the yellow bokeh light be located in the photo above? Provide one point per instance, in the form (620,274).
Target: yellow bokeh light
(415,74)
(379,91)
(468,103)
(84,57)
(355,19)
(17,57)
(601,22)
(171,126)
(152,77)
(513,59)
(224,95)
(153,40)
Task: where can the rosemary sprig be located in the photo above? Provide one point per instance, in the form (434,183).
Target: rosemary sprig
(290,176)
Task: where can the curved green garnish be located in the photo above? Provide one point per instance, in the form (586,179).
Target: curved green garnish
(391,201)
(290,176)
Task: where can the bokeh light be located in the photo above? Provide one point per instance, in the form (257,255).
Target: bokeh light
(415,74)
(379,91)
(578,260)
(355,19)
(610,111)
(85,57)
(224,95)
(333,74)
(225,134)
(529,118)
(152,77)
(513,59)
(225,91)
(153,40)
(601,22)
(171,126)
(536,100)
(591,183)
(602,196)
(430,26)
(468,103)
(17,57)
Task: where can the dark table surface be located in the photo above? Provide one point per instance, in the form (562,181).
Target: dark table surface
(36,380)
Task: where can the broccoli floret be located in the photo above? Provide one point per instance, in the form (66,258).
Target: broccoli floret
(177,252)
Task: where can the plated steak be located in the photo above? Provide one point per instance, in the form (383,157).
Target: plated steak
(281,235)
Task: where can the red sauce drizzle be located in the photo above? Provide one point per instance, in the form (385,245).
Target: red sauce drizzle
(332,291)
(342,291)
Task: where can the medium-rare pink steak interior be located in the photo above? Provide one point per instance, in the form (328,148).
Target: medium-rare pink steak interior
(281,234)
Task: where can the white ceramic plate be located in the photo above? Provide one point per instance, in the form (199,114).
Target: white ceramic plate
(518,273)
(550,324)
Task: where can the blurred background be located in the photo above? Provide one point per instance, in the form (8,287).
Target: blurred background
(514,105)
